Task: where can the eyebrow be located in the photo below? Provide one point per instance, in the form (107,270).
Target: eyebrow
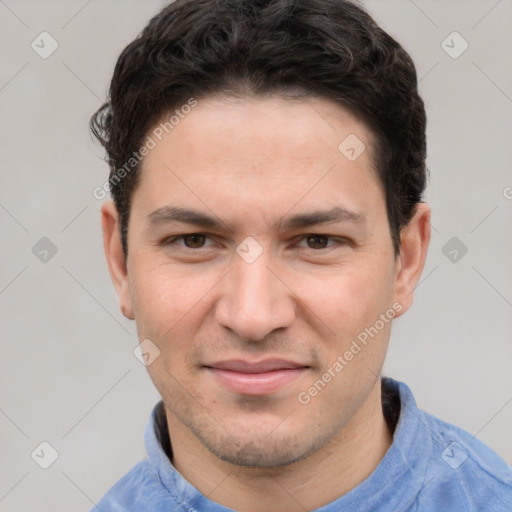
(174,214)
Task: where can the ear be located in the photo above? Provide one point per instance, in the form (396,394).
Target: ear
(415,238)
(115,257)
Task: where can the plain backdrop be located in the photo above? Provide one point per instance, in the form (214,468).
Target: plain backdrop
(67,369)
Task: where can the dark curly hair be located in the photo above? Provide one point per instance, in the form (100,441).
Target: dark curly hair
(241,48)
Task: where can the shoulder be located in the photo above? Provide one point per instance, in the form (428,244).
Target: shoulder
(139,490)
(463,473)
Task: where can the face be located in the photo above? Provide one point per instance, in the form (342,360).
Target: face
(259,255)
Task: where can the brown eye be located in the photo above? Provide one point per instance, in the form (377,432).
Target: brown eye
(195,241)
(192,241)
(317,241)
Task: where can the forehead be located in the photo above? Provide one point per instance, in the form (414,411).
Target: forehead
(266,128)
(262,155)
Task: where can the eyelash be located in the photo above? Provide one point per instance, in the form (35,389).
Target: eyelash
(172,241)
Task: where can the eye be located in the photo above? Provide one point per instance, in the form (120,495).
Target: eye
(197,241)
(316,241)
(191,241)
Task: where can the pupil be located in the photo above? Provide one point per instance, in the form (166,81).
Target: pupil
(201,237)
(316,238)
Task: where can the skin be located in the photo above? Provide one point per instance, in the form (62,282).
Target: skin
(251,163)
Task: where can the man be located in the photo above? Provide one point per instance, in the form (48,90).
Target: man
(267,166)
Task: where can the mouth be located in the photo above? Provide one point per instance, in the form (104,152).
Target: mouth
(256,378)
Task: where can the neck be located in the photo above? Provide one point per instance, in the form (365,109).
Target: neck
(334,470)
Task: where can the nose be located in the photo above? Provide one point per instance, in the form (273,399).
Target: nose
(255,300)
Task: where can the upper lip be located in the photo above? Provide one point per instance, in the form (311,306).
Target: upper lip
(268,365)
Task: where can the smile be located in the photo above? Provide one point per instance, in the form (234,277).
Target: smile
(261,378)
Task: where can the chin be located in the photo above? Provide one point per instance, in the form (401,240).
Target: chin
(258,454)
(272,450)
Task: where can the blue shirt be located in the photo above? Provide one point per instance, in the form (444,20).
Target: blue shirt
(431,466)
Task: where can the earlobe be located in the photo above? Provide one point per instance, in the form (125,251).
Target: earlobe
(415,238)
(115,257)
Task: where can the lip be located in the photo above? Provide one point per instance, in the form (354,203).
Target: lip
(256,378)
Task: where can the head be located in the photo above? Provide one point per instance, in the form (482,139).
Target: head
(267,166)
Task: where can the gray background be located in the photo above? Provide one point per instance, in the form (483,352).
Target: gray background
(67,369)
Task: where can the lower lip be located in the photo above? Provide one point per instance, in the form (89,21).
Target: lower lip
(256,383)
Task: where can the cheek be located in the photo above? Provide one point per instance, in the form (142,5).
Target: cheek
(166,300)
(348,299)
